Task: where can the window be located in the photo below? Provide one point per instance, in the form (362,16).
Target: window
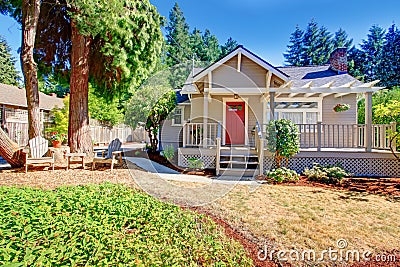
(299,112)
(178,116)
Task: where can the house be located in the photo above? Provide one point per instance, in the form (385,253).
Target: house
(229,103)
(14,113)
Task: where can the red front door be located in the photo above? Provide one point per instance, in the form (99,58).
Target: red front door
(235,123)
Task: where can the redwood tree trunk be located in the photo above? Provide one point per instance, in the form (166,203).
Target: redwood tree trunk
(30,17)
(10,151)
(79,138)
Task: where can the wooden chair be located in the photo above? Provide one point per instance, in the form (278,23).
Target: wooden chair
(38,147)
(113,151)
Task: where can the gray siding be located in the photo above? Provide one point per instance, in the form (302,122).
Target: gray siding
(331,117)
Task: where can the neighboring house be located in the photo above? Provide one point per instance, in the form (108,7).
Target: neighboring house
(14,113)
(229,103)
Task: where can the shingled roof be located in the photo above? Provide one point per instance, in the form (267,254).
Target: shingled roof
(14,96)
(319,75)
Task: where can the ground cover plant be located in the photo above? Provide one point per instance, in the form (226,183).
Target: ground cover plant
(107,225)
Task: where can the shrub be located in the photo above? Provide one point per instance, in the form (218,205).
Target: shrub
(169,152)
(281,175)
(283,139)
(195,163)
(328,174)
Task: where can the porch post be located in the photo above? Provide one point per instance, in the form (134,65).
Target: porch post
(368,121)
(3,116)
(272,105)
(205,119)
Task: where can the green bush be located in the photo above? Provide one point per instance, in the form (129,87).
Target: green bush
(281,175)
(196,164)
(328,174)
(283,140)
(107,225)
(169,152)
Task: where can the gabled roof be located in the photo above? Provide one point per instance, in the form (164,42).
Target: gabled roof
(246,53)
(14,96)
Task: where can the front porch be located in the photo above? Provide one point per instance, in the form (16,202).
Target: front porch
(345,144)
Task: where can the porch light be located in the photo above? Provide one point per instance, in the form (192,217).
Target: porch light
(235,96)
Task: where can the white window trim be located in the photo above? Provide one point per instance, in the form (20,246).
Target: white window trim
(319,100)
(182,108)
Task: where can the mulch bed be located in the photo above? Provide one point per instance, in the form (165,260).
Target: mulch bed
(379,186)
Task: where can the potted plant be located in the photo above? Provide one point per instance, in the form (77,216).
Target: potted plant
(57,139)
(341,107)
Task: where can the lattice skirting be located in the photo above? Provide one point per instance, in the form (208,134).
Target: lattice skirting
(357,166)
(208,161)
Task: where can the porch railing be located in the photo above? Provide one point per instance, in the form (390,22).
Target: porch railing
(344,135)
(193,134)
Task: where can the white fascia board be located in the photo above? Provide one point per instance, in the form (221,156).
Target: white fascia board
(248,55)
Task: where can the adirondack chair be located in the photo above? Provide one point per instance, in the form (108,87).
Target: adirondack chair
(113,151)
(38,147)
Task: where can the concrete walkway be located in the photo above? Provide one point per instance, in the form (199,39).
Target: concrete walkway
(172,175)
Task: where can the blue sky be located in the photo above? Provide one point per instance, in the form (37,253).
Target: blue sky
(264,26)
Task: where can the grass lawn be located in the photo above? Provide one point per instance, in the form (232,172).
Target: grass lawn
(107,225)
(301,217)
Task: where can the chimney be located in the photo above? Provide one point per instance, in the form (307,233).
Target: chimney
(338,60)
(53,94)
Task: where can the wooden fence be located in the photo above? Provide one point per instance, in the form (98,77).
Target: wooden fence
(18,132)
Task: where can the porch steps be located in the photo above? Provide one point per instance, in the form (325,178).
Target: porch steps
(238,162)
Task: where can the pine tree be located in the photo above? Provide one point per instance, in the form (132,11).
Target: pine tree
(178,39)
(293,55)
(310,39)
(388,70)
(197,44)
(229,45)
(212,50)
(341,39)
(372,49)
(8,72)
(324,47)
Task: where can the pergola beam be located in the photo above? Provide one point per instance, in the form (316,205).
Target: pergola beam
(287,85)
(307,85)
(342,94)
(293,94)
(370,84)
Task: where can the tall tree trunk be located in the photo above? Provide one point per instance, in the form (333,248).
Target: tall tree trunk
(10,151)
(30,17)
(79,138)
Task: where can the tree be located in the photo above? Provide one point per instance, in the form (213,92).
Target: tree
(372,52)
(229,45)
(115,44)
(158,113)
(309,56)
(293,55)
(109,112)
(30,17)
(341,39)
(151,103)
(283,140)
(388,69)
(178,39)
(8,72)
(391,111)
(324,46)
(27,12)
(212,50)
